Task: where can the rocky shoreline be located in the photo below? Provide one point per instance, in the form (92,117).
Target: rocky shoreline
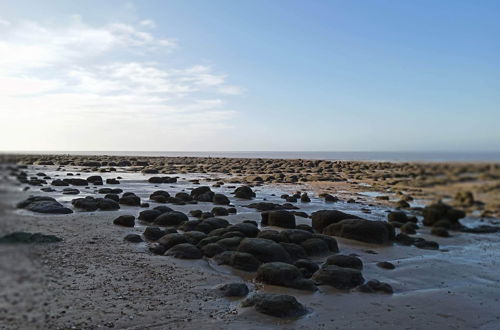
(270,242)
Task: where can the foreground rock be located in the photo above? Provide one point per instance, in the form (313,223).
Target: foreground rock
(43,204)
(244,192)
(443,214)
(281,218)
(184,251)
(324,218)
(125,221)
(264,250)
(28,238)
(375,286)
(234,289)
(282,274)
(338,277)
(377,232)
(277,305)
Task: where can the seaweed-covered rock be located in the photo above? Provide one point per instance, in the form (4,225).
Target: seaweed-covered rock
(173,218)
(338,277)
(377,232)
(184,251)
(277,305)
(153,233)
(202,194)
(220,199)
(441,211)
(345,261)
(234,289)
(374,286)
(280,218)
(244,192)
(264,250)
(324,218)
(43,204)
(239,260)
(125,221)
(283,274)
(28,238)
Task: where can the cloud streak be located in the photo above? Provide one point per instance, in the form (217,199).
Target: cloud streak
(104,78)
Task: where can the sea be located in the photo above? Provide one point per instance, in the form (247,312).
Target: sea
(377,156)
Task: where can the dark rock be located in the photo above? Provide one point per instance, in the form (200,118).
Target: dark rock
(244,192)
(234,289)
(149,215)
(439,211)
(163,209)
(409,228)
(330,199)
(398,216)
(164,179)
(220,199)
(76,182)
(296,235)
(345,261)
(440,231)
(330,241)
(306,266)
(264,250)
(41,204)
(184,251)
(173,218)
(113,197)
(273,235)
(202,194)
(315,246)
(170,240)
(95,179)
(276,305)
(59,183)
(426,245)
(88,204)
(153,233)
(28,238)
(70,191)
(304,198)
(219,211)
(238,260)
(324,218)
(279,218)
(294,250)
(125,220)
(106,204)
(247,229)
(386,265)
(133,238)
(374,286)
(378,232)
(283,274)
(131,200)
(212,249)
(338,277)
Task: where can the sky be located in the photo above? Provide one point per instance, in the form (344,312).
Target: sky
(192,75)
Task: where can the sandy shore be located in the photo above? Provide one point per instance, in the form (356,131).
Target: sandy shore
(94,279)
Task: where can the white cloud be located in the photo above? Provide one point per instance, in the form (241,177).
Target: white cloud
(4,22)
(73,80)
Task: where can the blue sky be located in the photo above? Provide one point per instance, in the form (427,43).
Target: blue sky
(250,75)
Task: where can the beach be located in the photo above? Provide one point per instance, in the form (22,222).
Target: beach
(94,278)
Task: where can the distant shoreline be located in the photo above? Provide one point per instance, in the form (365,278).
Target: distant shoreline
(381,156)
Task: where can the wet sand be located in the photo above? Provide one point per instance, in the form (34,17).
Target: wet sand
(94,279)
